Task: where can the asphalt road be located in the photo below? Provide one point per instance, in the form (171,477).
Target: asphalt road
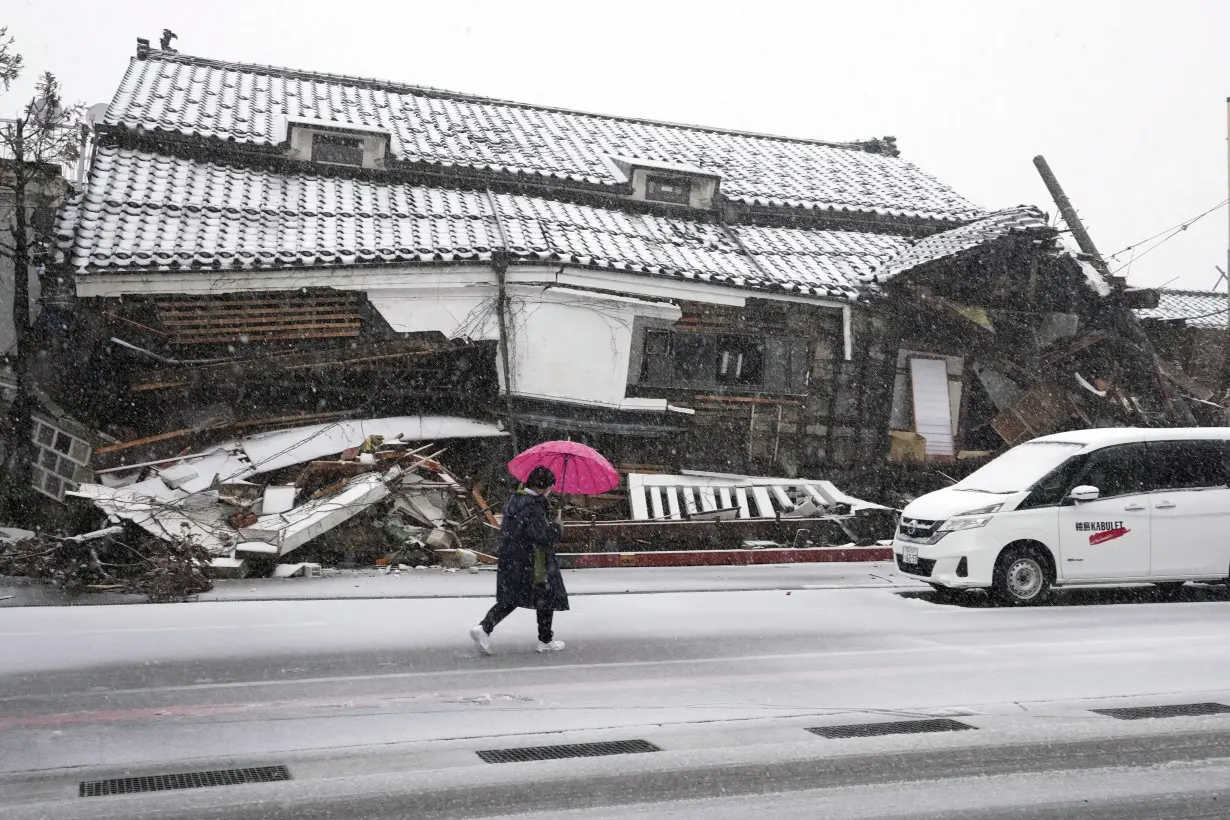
(379,705)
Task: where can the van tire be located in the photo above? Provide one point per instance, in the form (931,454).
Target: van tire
(1023,577)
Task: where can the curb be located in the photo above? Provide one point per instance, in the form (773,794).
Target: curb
(713,558)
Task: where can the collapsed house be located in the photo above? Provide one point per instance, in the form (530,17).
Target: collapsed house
(1190,332)
(260,248)
(261,497)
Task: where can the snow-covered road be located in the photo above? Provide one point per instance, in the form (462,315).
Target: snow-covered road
(139,686)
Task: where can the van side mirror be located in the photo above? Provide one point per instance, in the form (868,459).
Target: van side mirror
(1085,493)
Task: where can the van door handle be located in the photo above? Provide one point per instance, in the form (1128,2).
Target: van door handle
(1135,507)
(1166,505)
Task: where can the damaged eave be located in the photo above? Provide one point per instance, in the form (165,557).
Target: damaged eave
(102,283)
(404,353)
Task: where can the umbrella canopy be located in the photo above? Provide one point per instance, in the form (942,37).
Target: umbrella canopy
(579,470)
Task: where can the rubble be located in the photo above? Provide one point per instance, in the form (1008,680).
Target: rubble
(110,559)
(705,510)
(251,501)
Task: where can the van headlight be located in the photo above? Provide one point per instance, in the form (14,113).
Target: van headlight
(972,522)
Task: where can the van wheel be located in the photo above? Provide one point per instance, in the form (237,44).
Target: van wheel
(1022,578)
(1170,590)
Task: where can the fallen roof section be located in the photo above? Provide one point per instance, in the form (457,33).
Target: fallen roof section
(284,448)
(1195,308)
(292,529)
(1023,219)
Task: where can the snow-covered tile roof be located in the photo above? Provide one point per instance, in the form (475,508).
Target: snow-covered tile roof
(797,255)
(249,104)
(994,226)
(149,212)
(1198,308)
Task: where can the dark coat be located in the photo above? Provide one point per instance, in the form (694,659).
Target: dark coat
(527,526)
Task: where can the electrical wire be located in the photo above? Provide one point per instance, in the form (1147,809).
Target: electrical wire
(1168,234)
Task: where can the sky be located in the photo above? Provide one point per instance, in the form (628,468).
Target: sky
(1126,99)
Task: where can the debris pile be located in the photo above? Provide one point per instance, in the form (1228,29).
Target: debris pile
(354,490)
(112,559)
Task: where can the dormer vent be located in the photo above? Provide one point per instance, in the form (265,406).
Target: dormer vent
(668,183)
(329,142)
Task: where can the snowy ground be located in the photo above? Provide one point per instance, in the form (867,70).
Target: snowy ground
(393,687)
(437,583)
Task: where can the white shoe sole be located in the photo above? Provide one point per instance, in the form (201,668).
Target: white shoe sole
(476,635)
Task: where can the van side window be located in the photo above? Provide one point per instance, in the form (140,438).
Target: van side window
(1050,491)
(1187,465)
(1118,470)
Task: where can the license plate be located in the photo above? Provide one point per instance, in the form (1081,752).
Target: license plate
(909,555)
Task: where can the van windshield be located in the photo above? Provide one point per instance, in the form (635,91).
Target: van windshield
(1019,468)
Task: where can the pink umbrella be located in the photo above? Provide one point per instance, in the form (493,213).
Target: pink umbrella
(579,470)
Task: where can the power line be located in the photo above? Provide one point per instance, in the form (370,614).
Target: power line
(1173,231)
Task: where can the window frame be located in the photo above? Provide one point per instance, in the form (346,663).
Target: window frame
(662,361)
(1073,468)
(1155,473)
(337,142)
(689,353)
(1093,460)
(738,355)
(656,181)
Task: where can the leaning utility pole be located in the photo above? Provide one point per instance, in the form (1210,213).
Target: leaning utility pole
(1179,411)
(1082,237)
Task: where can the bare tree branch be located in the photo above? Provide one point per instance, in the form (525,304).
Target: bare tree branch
(36,149)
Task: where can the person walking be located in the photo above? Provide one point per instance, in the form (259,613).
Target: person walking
(528,575)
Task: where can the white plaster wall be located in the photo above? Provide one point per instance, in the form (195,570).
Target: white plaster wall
(459,312)
(566,344)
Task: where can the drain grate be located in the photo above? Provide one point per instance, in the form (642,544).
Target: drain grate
(896,727)
(615,747)
(186,780)
(1175,710)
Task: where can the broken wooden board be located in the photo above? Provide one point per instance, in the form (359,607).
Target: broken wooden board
(247,318)
(1043,409)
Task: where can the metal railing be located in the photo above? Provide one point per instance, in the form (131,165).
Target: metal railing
(75,171)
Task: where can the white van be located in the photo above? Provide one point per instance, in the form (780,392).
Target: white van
(1105,506)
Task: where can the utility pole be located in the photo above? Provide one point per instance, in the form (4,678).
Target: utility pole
(499,263)
(1129,326)
(1082,237)
(1225,353)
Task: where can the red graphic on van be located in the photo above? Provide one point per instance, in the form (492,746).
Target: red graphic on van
(1107,535)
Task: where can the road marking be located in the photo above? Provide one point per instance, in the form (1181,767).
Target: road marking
(205,628)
